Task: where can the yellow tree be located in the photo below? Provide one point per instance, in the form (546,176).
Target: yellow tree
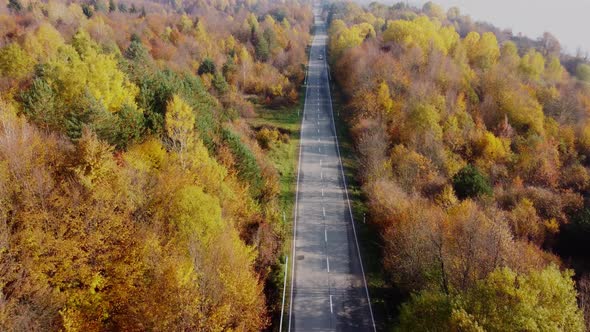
(15,63)
(384,98)
(180,122)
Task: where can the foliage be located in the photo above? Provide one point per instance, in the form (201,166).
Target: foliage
(207,67)
(503,301)
(121,175)
(469,183)
(473,145)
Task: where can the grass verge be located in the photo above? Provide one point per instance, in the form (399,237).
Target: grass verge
(285,157)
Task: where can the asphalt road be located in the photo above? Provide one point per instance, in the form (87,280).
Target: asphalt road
(328,291)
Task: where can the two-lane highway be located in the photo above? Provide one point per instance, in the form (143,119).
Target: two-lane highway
(328,290)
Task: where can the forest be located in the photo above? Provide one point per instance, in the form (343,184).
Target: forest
(134,194)
(473,147)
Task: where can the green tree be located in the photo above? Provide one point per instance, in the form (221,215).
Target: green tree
(15,6)
(39,105)
(261,46)
(130,126)
(219,83)
(88,10)
(469,182)
(207,67)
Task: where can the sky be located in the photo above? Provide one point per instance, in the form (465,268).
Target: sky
(568,20)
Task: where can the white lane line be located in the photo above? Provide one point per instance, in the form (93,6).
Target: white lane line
(324,211)
(321,175)
(326,234)
(322,192)
(331,311)
(328,263)
(320,163)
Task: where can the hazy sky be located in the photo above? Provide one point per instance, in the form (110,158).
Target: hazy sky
(568,20)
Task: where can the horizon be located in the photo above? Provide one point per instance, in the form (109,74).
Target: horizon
(565,20)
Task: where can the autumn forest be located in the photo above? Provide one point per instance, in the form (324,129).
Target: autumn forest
(148,151)
(133,195)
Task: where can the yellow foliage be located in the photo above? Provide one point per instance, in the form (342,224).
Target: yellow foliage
(95,73)
(422,32)
(494,149)
(15,63)
(44,43)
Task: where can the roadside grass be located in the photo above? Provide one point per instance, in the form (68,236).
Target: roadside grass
(385,299)
(285,157)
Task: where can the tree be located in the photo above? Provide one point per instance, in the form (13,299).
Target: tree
(39,104)
(470,183)
(583,72)
(532,65)
(261,45)
(384,98)
(219,83)
(207,67)
(542,300)
(137,52)
(15,63)
(434,10)
(180,123)
(112,6)
(15,6)
(550,46)
(88,10)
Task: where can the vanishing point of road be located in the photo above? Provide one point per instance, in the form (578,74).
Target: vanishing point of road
(328,289)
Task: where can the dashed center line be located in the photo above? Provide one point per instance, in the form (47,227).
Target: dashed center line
(331,310)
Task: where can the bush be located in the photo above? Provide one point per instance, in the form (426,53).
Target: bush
(266,137)
(469,182)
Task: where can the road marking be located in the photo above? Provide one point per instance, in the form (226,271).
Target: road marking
(324,211)
(321,175)
(326,234)
(328,263)
(322,192)
(331,311)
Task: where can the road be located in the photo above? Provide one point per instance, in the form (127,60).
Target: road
(328,290)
